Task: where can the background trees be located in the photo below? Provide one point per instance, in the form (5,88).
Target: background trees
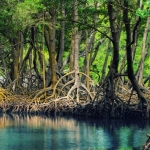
(42,42)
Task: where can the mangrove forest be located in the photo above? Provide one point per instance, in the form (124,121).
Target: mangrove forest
(75,57)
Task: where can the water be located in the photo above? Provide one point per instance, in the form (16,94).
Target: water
(60,133)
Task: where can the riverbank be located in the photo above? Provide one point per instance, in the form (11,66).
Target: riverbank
(70,108)
(102,107)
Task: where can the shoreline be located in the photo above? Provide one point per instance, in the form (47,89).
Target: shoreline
(70,108)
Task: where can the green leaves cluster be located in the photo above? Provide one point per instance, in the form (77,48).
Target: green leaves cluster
(145,12)
(17,15)
(26,13)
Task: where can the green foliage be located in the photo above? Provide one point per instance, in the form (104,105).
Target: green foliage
(18,15)
(7,10)
(145,12)
(26,13)
(15,15)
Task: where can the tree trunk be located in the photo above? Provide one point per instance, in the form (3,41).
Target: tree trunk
(28,56)
(130,71)
(21,50)
(115,36)
(113,68)
(94,50)
(71,67)
(143,52)
(87,63)
(61,41)
(50,37)
(105,63)
(15,55)
(76,49)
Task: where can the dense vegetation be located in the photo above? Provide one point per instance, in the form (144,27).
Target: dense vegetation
(71,54)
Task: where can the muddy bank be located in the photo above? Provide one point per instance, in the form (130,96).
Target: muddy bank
(71,108)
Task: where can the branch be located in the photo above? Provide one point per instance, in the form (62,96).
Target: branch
(88,25)
(134,30)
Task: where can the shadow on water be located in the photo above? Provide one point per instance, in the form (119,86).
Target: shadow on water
(53,133)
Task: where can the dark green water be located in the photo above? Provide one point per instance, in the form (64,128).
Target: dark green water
(60,133)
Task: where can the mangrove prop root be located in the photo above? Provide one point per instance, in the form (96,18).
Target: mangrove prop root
(147,145)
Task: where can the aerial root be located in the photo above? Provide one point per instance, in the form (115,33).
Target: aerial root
(147,144)
(68,90)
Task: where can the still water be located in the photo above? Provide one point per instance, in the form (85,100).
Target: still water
(61,133)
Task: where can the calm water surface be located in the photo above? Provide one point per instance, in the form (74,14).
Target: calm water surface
(60,133)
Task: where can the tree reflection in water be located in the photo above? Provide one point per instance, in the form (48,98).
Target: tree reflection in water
(44,133)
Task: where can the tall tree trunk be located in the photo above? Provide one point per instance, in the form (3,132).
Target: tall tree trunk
(113,69)
(35,54)
(51,44)
(115,36)
(28,56)
(61,41)
(16,45)
(76,48)
(76,36)
(88,53)
(87,63)
(42,59)
(105,63)
(130,71)
(94,50)
(139,3)
(21,50)
(71,67)
(143,52)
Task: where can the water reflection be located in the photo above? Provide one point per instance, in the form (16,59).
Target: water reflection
(58,133)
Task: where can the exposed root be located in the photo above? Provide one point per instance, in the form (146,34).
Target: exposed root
(147,144)
(123,104)
(69,90)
